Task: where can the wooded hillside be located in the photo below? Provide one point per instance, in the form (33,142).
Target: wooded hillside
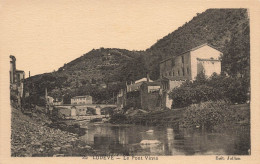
(102,72)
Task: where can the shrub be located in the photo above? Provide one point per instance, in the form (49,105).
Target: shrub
(118,118)
(208,114)
(217,87)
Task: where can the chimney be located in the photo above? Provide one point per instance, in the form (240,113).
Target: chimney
(147,77)
(29,74)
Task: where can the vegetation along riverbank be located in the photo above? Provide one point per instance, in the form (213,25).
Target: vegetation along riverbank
(209,115)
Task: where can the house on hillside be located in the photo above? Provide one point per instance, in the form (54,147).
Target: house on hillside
(186,66)
(81,100)
(57,101)
(142,94)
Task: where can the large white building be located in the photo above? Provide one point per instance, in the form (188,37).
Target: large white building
(81,100)
(186,66)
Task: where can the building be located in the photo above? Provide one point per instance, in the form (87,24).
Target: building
(49,100)
(16,82)
(150,95)
(16,76)
(78,110)
(186,66)
(189,64)
(167,85)
(12,69)
(19,75)
(142,94)
(57,101)
(81,100)
(137,84)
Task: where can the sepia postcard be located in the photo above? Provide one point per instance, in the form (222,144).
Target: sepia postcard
(129,81)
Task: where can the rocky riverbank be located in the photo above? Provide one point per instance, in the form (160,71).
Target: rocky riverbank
(31,137)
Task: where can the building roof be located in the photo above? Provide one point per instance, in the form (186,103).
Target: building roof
(136,86)
(157,83)
(86,96)
(142,80)
(195,48)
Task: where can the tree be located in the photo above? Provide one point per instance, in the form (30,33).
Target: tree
(236,59)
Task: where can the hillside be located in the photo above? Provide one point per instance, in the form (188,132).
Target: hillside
(104,66)
(102,72)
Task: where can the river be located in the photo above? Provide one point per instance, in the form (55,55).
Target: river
(127,139)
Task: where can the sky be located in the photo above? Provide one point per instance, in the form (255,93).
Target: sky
(43,35)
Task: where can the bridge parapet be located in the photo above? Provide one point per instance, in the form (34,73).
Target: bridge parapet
(86,105)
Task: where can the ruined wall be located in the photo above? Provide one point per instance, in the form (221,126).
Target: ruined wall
(133,99)
(150,100)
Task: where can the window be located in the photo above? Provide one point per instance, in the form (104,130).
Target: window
(182,59)
(188,71)
(183,73)
(172,73)
(178,72)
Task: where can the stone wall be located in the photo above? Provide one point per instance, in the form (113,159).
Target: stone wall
(149,100)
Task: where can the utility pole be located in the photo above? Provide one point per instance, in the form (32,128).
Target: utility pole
(46,102)
(29,86)
(113,98)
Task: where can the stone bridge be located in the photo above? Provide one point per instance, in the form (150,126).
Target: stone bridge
(101,106)
(80,110)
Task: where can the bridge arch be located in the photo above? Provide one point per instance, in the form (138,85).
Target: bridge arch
(73,111)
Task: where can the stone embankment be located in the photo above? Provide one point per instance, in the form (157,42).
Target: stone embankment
(31,137)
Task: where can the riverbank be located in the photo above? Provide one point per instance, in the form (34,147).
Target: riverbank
(30,136)
(157,118)
(175,117)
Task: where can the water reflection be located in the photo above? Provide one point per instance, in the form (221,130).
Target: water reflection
(127,139)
